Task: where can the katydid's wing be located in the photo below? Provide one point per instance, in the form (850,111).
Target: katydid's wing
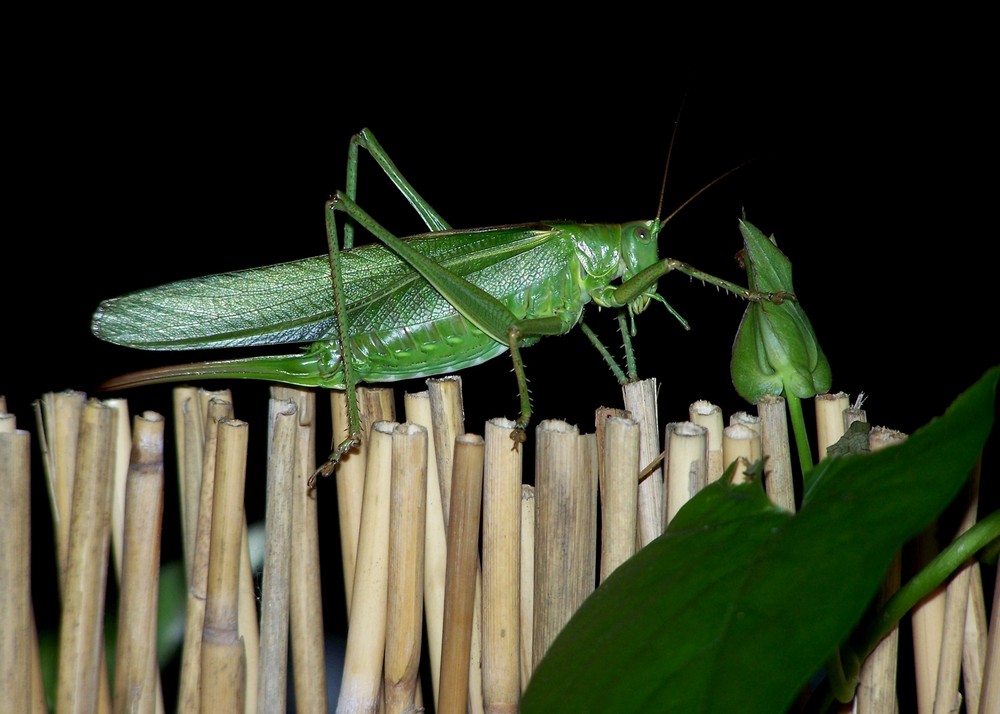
(293,302)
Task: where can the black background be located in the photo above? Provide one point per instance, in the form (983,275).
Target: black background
(150,163)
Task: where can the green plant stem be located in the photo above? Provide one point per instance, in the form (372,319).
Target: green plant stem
(936,572)
(843,689)
(801,437)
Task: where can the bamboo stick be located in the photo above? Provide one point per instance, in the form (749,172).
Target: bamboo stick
(708,415)
(502,568)
(359,691)
(739,444)
(306,599)
(527,619)
(123,450)
(448,419)
(18,639)
(223,674)
(136,674)
(272,683)
(563,509)
(974,652)
(830,419)
(779,481)
(687,461)
(640,400)
(406,560)
(189,436)
(947,697)
(877,681)
(989,701)
(81,630)
(460,592)
(620,493)
(418,411)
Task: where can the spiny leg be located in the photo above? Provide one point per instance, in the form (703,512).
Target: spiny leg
(608,358)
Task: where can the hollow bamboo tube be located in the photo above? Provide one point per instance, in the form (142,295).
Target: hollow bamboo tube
(223,663)
(563,521)
(830,419)
(272,684)
(418,411)
(189,437)
(123,448)
(136,674)
(640,400)
(989,699)
(527,583)
(708,415)
(620,492)
(974,652)
(460,588)
(404,607)
(447,414)
(687,461)
(18,641)
(947,697)
(778,481)
(502,569)
(359,690)
(306,601)
(81,631)
(739,444)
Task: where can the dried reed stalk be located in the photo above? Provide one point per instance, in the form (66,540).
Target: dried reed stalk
(687,461)
(640,400)
(779,480)
(189,437)
(136,674)
(447,415)
(460,589)
(527,627)
(16,619)
(619,492)
(990,694)
(830,420)
(740,445)
(974,652)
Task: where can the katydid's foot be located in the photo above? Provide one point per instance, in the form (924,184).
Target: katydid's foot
(349,444)
(777,297)
(518,436)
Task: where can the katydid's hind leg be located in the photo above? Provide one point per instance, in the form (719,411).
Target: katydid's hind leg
(365,139)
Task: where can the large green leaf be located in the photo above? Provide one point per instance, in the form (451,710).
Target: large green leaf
(739,603)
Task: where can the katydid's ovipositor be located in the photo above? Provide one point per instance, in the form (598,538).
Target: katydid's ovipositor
(419,306)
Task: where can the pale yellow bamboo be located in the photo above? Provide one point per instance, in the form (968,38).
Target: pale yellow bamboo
(947,697)
(81,630)
(123,449)
(359,690)
(619,495)
(272,682)
(418,411)
(830,419)
(687,461)
(527,583)
(406,561)
(447,415)
(15,580)
(708,415)
(223,675)
(189,437)
(739,444)
(640,400)
(306,598)
(989,700)
(374,404)
(974,652)
(189,696)
(778,480)
(563,508)
(502,569)
(136,673)
(460,589)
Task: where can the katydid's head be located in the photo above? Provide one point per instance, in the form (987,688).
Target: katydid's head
(639,251)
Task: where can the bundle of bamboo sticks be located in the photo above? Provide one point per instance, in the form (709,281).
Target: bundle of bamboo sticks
(440,537)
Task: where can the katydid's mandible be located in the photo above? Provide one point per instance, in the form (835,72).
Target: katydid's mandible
(402,308)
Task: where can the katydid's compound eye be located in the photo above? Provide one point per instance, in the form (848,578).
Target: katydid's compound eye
(642,234)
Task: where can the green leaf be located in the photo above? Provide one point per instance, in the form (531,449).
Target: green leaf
(739,603)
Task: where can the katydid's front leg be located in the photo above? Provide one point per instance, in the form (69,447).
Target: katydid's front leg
(472,302)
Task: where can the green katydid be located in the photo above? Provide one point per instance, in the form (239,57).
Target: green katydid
(419,306)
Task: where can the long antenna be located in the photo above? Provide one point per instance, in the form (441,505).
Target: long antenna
(670,153)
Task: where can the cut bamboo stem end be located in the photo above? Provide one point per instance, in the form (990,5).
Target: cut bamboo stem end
(830,419)
(502,568)
(640,400)
(404,607)
(687,463)
(740,444)
(136,674)
(460,591)
(449,421)
(565,494)
(274,611)
(704,413)
(18,647)
(527,583)
(620,494)
(223,674)
(366,628)
(779,480)
(81,631)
